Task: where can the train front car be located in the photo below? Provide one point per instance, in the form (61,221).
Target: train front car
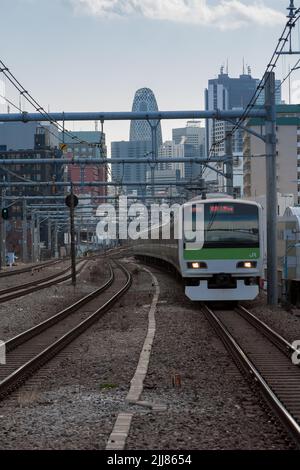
(224,260)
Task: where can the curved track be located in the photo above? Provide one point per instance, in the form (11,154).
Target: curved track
(30,268)
(31,349)
(42,265)
(265,358)
(20,290)
(23,289)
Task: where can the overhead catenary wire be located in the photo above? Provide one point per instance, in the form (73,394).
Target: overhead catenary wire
(36,105)
(288,75)
(281,44)
(12,79)
(32,101)
(283,40)
(44,127)
(40,124)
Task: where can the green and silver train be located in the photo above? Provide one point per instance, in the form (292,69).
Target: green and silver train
(224,261)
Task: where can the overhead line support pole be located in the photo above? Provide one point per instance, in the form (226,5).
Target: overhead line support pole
(271,189)
(229,163)
(72,232)
(24,226)
(33,238)
(154,127)
(56,239)
(3,233)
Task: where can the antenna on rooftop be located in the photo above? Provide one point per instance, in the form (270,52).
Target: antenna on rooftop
(291,9)
(291,24)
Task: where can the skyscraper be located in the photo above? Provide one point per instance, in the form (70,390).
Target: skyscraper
(192,138)
(130,172)
(139,145)
(144,101)
(226,93)
(261,99)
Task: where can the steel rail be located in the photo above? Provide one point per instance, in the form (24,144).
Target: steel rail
(278,340)
(31,283)
(253,375)
(27,288)
(16,378)
(35,330)
(33,267)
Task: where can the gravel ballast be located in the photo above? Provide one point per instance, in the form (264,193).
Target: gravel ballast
(214,407)
(284,322)
(36,273)
(22,313)
(73,401)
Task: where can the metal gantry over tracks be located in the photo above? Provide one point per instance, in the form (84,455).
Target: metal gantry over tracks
(268,113)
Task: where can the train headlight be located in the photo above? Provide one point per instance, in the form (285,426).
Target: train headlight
(247,264)
(197,265)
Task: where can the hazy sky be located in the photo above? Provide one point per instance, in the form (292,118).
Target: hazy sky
(91,55)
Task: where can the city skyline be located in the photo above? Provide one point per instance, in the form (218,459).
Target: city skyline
(150,266)
(115,54)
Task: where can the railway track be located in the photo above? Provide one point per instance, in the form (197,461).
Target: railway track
(38,266)
(265,358)
(20,290)
(33,267)
(31,349)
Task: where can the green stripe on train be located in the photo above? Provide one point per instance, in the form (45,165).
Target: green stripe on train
(222,253)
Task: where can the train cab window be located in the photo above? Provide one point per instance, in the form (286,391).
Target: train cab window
(231,225)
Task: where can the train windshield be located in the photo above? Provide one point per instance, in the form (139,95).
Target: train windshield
(231,225)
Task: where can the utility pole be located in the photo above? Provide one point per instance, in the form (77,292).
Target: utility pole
(229,163)
(3,234)
(154,152)
(56,240)
(32,236)
(24,229)
(1,260)
(49,237)
(78,235)
(271,188)
(1,255)
(38,237)
(71,202)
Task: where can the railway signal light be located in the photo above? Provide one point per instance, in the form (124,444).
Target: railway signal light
(5,213)
(69,198)
(72,201)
